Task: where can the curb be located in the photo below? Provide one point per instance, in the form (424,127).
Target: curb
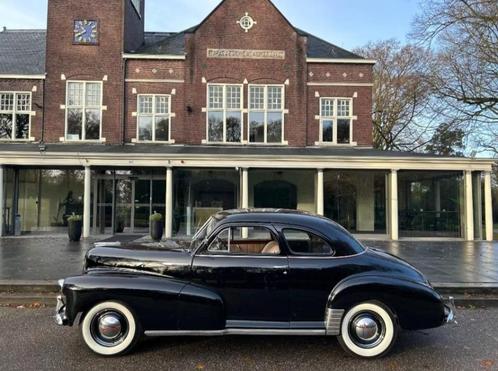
(22,293)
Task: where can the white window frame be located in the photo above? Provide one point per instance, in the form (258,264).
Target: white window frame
(225,110)
(14,112)
(265,111)
(154,114)
(84,107)
(334,118)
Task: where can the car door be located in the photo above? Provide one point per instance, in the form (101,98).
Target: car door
(246,265)
(313,272)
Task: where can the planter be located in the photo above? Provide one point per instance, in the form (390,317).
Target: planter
(156,230)
(74,229)
(120,226)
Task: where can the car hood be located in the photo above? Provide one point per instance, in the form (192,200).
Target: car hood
(173,262)
(389,263)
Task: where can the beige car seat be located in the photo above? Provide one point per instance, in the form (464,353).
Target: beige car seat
(271,248)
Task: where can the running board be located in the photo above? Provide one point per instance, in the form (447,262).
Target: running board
(240,331)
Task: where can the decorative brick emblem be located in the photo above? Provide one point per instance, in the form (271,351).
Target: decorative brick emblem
(246,22)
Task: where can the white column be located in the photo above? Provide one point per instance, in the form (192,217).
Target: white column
(87,202)
(169,203)
(488,206)
(469,207)
(245,189)
(393,205)
(319,193)
(2,200)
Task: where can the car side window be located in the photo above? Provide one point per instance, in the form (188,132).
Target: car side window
(306,243)
(245,240)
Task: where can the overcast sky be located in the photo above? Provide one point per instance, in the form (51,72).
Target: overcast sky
(347,23)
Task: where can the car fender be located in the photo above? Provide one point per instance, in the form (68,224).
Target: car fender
(160,303)
(416,305)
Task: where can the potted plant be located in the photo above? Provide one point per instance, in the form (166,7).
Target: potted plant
(74,227)
(156,226)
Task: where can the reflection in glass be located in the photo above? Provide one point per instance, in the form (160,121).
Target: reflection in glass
(343,132)
(200,193)
(215,126)
(162,129)
(5,126)
(74,124)
(22,126)
(234,127)
(92,126)
(430,203)
(274,127)
(145,128)
(328,130)
(257,127)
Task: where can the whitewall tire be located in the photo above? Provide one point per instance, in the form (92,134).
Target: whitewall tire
(110,329)
(368,330)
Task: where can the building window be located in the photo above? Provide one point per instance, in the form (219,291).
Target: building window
(336,117)
(83,110)
(154,118)
(266,113)
(15,116)
(224,113)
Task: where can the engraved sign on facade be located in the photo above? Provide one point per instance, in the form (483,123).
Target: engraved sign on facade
(245,54)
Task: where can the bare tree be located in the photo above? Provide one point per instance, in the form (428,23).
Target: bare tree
(402,95)
(464,35)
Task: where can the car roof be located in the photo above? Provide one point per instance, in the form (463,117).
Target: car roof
(284,216)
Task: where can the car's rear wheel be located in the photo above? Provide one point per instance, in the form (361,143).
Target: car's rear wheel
(368,330)
(110,329)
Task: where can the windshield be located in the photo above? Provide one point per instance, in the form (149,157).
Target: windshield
(202,233)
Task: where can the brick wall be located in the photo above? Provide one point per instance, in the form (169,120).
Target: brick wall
(84,62)
(122,27)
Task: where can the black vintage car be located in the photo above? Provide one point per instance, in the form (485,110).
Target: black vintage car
(251,272)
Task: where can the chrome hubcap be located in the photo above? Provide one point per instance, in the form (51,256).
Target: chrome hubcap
(110,326)
(367,330)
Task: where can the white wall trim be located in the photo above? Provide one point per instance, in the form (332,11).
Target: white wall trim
(154,56)
(22,77)
(156,80)
(325,162)
(341,60)
(319,83)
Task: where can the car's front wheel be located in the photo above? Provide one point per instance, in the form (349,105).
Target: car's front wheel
(110,329)
(368,330)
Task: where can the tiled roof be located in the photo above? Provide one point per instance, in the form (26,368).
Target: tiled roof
(22,52)
(174,44)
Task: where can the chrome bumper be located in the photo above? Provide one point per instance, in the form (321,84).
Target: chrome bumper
(450,311)
(60,312)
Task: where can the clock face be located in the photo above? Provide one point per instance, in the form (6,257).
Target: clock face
(86,32)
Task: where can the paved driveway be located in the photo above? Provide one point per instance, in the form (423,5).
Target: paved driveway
(53,257)
(31,341)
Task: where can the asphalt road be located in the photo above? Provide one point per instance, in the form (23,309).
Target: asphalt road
(29,340)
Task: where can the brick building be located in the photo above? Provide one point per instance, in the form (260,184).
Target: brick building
(103,119)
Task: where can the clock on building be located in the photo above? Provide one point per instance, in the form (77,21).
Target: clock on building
(86,32)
